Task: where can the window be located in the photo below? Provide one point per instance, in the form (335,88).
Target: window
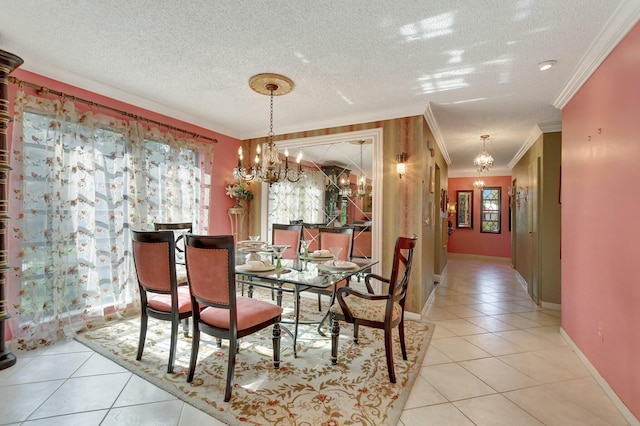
(490,214)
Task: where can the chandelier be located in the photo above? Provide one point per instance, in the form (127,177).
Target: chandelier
(345,187)
(268,165)
(484,160)
(479,183)
(362,189)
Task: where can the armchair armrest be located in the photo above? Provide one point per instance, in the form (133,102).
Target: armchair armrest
(375,277)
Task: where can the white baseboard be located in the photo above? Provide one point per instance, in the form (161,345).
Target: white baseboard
(551,306)
(626,413)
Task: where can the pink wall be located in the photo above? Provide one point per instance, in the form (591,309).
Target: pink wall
(600,226)
(472,241)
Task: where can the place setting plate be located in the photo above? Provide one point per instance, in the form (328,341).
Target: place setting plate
(340,264)
(256,266)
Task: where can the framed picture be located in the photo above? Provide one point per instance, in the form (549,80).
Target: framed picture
(432,179)
(464,218)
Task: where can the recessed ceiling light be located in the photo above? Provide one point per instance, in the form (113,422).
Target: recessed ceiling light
(543,66)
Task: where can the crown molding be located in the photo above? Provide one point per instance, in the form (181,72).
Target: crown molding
(534,134)
(437,134)
(618,25)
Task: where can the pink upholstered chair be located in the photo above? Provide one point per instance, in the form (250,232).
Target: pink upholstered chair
(383,311)
(287,235)
(160,295)
(334,237)
(223,314)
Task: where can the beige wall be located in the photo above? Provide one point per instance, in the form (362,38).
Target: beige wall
(536,220)
(405,200)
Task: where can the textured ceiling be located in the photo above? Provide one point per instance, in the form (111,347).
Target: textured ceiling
(469,65)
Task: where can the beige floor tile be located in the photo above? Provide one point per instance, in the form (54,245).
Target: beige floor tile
(493,344)
(49,367)
(423,394)
(454,382)
(19,401)
(539,369)
(459,349)
(462,311)
(461,327)
(191,416)
(550,333)
(435,356)
(488,309)
(588,394)
(88,418)
(551,408)
(83,394)
(435,415)
(98,364)
(436,313)
(527,341)
(166,413)
(499,375)
(491,324)
(565,358)
(495,410)
(516,320)
(139,391)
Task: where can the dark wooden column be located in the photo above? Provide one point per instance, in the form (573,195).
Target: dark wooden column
(8,62)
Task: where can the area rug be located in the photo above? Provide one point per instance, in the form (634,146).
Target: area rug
(307,390)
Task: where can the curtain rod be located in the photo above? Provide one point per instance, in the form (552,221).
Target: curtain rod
(42,90)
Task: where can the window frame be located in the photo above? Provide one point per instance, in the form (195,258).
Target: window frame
(484,211)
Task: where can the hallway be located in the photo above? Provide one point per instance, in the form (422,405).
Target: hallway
(497,359)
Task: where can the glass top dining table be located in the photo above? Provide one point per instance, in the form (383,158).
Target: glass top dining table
(298,275)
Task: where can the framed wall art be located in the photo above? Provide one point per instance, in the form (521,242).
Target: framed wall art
(464,218)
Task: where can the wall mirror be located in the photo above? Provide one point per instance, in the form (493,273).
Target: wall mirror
(342,187)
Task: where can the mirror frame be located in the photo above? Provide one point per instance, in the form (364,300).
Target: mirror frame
(375,135)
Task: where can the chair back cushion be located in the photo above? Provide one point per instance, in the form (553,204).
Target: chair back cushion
(337,237)
(287,237)
(154,260)
(208,275)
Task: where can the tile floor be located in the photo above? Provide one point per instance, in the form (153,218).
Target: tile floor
(495,359)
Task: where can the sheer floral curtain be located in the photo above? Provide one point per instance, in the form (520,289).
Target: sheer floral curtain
(301,200)
(80,181)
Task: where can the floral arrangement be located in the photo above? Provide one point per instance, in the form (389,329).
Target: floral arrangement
(239,190)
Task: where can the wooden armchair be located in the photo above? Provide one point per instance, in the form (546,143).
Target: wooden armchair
(223,314)
(383,311)
(160,295)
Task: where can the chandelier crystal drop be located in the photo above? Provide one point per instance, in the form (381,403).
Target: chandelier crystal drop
(484,160)
(267,166)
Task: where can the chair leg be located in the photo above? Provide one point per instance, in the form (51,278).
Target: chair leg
(185,327)
(233,343)
(276,345)
(388,349)
(402,344)
(174,342)
(335,332)
(143,332)
(195,344)
(219,343)
(319,303)
(355,333)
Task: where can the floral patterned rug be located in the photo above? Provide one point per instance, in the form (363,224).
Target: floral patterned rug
(307,390)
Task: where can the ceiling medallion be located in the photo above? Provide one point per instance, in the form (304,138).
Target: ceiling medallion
(268,166)
(484,160)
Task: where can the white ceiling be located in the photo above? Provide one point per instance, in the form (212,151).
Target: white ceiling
(468,65)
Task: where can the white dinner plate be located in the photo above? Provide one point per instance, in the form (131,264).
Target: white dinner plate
(255,268)
(251,243)
(321,255)
(341,264)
